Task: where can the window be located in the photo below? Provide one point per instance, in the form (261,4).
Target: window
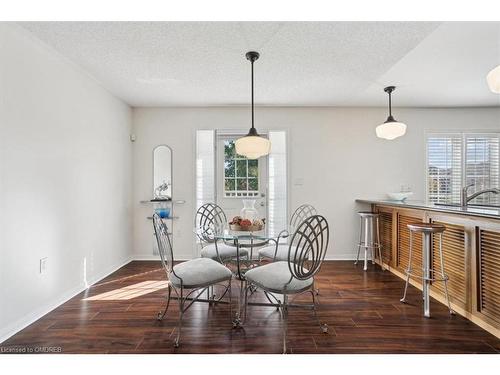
(455,160)
(482,166)
(241,175)
(444,168)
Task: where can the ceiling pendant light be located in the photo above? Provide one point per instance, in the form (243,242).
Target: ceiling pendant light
(493,79)
(390,129)
(252,145)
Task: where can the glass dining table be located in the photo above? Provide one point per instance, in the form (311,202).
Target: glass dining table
(250,241)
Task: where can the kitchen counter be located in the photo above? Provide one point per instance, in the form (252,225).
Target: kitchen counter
(471,249)
(467,211)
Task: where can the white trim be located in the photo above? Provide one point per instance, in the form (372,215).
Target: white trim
(32,317)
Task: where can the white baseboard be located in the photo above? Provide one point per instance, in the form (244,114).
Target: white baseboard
(30,318)
(109,270)
(347,256)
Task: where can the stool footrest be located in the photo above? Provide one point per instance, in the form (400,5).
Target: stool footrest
(421,277)
(374,245)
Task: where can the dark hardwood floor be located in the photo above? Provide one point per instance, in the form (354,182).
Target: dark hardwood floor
(362,310)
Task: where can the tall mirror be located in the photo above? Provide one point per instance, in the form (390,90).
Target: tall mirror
(162,173)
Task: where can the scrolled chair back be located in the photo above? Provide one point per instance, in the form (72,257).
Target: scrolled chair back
(311,239)
(209,220)
(164,244)
(301,213)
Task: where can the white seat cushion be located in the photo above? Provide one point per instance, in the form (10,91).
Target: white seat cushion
(281,254)
(274,276)
(225,251)
(199,272)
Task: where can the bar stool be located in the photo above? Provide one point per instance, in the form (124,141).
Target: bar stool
(368,239)
(427,230)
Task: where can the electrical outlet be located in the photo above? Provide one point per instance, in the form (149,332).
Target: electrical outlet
(43,265)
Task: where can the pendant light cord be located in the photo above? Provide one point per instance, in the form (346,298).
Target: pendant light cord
(252,56)
(390,104)
(252,96)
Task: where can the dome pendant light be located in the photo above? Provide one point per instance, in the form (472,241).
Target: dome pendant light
(493,79)
(252,145)
(390,129)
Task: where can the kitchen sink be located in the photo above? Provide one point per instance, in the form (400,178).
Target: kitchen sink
(483,206)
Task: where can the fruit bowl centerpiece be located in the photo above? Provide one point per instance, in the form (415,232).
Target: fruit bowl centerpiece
(245,225)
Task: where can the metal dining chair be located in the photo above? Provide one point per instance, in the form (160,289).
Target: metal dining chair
(209,219)
(279,250)
(196,275)
(296,275)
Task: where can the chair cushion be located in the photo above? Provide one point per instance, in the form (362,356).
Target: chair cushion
(225,251)
(281,254)
(199,272)
(274,276)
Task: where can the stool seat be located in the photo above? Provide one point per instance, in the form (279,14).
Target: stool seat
(368,214)
(426,227)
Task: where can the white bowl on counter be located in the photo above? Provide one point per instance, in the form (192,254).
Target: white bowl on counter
(400,196)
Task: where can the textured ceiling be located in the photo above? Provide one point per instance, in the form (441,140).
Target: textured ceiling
(301,64)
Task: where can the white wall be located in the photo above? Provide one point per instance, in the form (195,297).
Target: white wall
(66,168)
(334,150)
(65,184)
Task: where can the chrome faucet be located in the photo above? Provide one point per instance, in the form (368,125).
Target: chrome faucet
(466,199)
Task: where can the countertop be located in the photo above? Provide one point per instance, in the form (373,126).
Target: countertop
(468,211)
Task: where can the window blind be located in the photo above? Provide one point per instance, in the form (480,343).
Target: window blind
(205,167)
(277,188)
(482,166)
(444,168)
(455,160)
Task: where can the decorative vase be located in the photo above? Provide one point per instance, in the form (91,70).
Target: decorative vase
(249,211)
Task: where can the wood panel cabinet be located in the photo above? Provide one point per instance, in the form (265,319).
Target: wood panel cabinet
(455,263)
(385,220)
(471,251)
(488,275)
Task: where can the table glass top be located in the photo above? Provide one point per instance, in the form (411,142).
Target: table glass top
(228,234)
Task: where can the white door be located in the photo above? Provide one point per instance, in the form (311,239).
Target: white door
(239,178)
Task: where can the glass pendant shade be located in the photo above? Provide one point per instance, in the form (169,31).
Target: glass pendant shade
(253,146)
(493,79)
(390,130)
